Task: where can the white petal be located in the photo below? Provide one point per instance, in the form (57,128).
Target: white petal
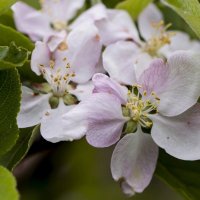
(117,26)
(40,56)
(83,91)
(149,15)
(31,22)
(93,14)
(61,10)
(84,51)
(118,61)
(54,40)
(51,124)
(103,83)
(75,122)
(134,161)
(105,120)
(176,82)
(180,135)
(99,66)
(32,108)
(180,41)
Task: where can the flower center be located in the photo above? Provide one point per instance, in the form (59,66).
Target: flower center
(160,39)
(138,106)
(58,77)
(59,25)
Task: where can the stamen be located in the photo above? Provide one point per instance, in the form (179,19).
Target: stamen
(139,108)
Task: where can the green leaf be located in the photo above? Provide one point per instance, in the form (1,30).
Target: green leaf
(12,56)
(5,5)
(189,10)
(182,176)
(26,74)
(111,3)
(9,35)
(9,106)
(8,189)
(133,7)
(17,153)
(7,19)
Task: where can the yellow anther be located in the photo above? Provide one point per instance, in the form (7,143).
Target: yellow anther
(68,66)
(63,46)
(52,64)
(73,74)
(64,59)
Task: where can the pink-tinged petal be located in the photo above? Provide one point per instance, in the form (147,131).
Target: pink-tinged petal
(31,22)
(32,108)
(146,19)
(61,10)
(93,14)
(176,82)
(105,120)
(83,91)
(118,61)
(84,49)
(180,41)
(134,161)
(40,57)
(179,135)
(51,124)
(104,84)
(55,40)
(117,26)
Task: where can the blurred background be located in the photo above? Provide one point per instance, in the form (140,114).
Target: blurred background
(76,171)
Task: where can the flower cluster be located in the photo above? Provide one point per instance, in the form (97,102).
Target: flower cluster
(113,83)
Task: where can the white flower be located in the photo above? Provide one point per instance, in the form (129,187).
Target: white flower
(52,18)
(67,70)
(162,100)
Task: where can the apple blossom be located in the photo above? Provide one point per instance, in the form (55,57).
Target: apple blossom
(162,100)
(68,71)
(52,18)
(113,24)
(158,40)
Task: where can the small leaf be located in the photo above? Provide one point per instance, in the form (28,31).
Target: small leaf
(8,189)
(5,5)
(189,10)
(12,56)
(182,176)
(133,7)
(17,153)
(9,106)
(9,35)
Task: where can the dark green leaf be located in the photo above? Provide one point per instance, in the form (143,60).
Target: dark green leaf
(189,10)
(9,106)
(182,176)
(133,7)
(17,153)
(12,56)
(26,74)
(9,35)
(7,19)
(5,5)
(8,189)
(111,3)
